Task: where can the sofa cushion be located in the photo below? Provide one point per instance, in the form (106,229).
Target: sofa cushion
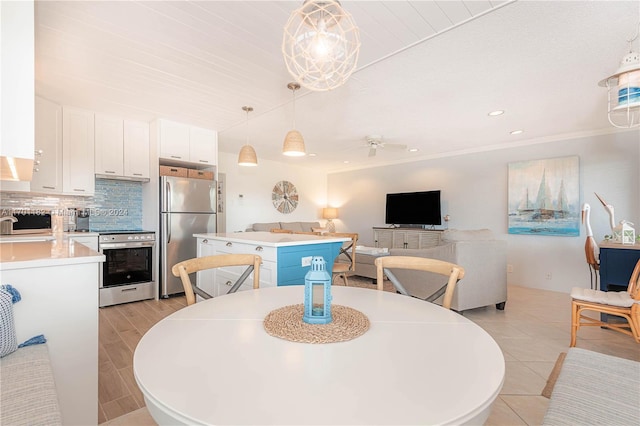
(266,227)
(291,226)
(467,235)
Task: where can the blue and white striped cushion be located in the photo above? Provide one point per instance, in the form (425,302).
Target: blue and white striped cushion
(8,342)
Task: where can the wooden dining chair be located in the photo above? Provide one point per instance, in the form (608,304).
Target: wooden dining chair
(625,304)
(346,260)
(453,272)
(186,267)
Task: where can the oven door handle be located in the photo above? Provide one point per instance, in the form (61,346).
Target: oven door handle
(111,246)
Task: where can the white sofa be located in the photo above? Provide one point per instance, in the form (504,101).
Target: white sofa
(484,259)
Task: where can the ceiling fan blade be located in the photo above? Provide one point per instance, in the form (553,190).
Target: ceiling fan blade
(395,146)
(372,151)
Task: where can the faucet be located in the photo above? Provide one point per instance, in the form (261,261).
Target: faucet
(4,229)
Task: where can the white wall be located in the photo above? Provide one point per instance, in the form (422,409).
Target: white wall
(248,192)
(474,193)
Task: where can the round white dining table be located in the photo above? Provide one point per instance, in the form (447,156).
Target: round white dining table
(213,363)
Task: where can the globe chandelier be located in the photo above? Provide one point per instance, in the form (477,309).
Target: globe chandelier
(623,90)
(321,44)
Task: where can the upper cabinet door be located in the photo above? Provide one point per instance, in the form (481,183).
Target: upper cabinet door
(109,151)
(136,149)
(203,147)
(77,151)
(174,140)
(47,170)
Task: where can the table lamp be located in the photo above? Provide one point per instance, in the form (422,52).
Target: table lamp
(330,213)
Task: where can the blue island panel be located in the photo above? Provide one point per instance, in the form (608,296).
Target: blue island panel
(290,270)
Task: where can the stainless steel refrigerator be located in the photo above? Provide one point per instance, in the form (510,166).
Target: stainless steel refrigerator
(187,207)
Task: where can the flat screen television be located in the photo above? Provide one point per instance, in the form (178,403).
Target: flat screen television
(413,208)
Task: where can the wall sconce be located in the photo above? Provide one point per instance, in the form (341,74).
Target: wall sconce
(317,293)
(330,213)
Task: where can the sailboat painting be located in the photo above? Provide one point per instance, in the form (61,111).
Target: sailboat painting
(544,197)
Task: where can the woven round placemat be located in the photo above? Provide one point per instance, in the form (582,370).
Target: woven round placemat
(286,323)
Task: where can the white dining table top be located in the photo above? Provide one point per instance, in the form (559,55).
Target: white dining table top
(213,363)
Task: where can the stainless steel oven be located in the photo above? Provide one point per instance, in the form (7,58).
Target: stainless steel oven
(128,272)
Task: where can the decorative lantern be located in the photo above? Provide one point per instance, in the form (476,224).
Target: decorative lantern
(317,293)
(628,233)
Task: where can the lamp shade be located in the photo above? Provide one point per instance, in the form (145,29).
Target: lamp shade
(247,156)
(329,213)
(293,144)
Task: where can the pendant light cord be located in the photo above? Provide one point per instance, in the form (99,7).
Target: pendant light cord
(634,38)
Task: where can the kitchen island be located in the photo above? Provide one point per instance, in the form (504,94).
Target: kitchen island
(58,282)
(286,258)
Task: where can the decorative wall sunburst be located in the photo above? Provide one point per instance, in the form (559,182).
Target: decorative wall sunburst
(284,197)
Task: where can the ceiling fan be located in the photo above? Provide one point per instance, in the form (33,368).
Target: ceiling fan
(374,142)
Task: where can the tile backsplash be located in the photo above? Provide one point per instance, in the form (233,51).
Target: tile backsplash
(116,205)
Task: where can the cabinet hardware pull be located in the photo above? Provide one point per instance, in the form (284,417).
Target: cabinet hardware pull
(205,241)
(35,169)
(229,244)
(39,152)
(203,161)
(37,162)
(79,190)
(130,289)
(259,248)
(137,174)
(228,283)
(176,156)
(108,171)
(49,187)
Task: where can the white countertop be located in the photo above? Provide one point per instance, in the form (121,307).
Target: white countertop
(213,363)
(37,253)
(611,244)
(272,239)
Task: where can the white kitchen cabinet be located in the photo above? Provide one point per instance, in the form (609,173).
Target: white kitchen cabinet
(47,171)
(16,80)
(78,172)
(217,282)
(109,150)
(181,143)
(122,148)
(136,149)
(174,140)
(203,146)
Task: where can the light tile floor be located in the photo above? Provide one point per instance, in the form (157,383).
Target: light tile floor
(532,331)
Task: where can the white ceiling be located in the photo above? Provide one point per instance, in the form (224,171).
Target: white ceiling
(428,72)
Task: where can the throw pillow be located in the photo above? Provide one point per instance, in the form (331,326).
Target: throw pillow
(8,342)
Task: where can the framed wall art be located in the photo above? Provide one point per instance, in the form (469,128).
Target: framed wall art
(544,197)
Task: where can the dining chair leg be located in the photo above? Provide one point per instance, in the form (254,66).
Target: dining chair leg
(575,318)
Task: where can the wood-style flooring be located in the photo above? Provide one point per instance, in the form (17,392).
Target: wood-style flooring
(120,330)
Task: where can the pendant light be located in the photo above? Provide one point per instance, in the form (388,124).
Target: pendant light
(293,142)
(247,156)
(623,100)
(321,44)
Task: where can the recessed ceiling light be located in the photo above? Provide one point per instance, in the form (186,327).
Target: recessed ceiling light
(517,132)
(495,113)
(413,150)
(346,162)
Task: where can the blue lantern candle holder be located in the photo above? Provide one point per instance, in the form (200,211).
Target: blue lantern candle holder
(317,293)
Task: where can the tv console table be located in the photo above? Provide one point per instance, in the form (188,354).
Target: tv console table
(408,238)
